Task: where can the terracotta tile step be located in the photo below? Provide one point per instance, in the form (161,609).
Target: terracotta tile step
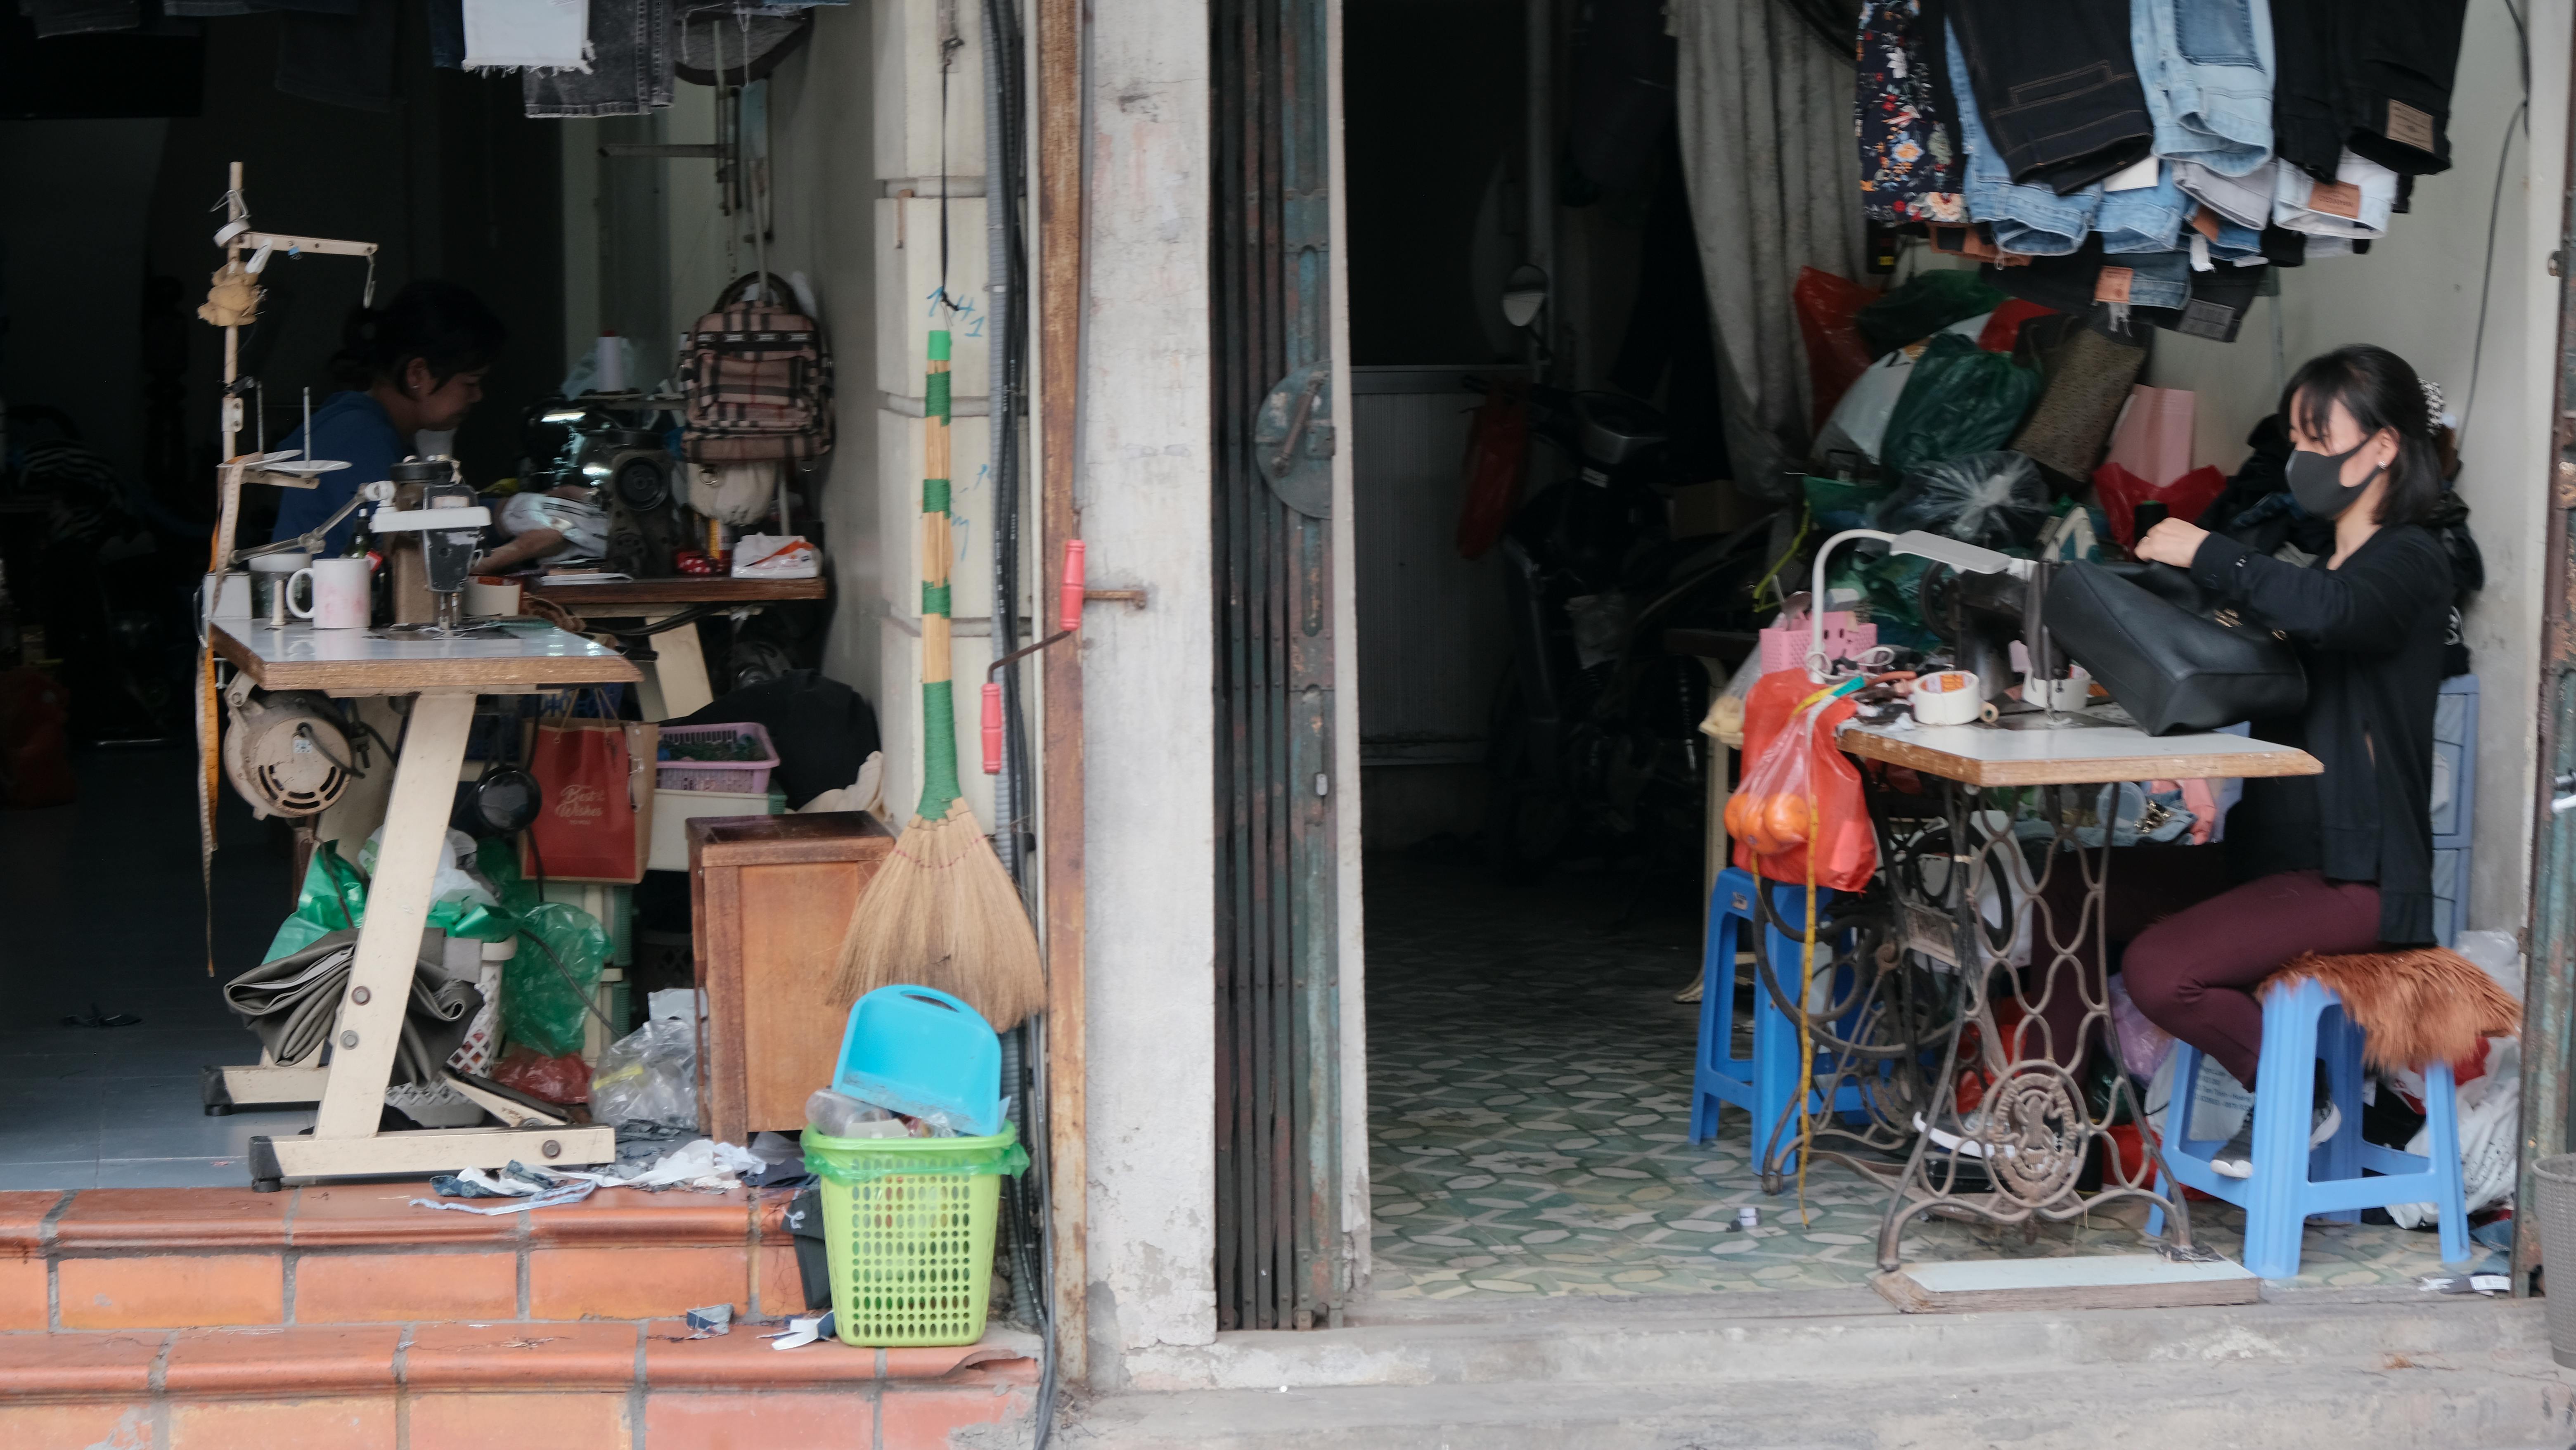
(104,1259)
(341,1215)
(429,1386)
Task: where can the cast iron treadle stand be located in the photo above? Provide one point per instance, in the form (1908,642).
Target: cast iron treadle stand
(2027,1149)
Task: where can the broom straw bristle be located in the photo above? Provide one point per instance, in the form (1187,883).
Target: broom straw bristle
(942,913)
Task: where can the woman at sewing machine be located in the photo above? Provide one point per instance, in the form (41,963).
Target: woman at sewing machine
(414,365)
(2341,862)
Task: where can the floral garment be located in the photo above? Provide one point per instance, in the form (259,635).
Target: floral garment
(1910,167)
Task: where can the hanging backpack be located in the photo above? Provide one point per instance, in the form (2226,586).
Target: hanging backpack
(758,378)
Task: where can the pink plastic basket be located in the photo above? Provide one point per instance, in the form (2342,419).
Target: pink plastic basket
(1785,644)
(746,777)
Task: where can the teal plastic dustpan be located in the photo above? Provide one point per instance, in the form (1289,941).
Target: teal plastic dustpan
(917,1051)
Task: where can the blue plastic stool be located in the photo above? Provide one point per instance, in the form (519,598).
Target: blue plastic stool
(1766,1083)
(2304,1022)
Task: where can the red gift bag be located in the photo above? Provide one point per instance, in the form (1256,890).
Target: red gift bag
(596,820)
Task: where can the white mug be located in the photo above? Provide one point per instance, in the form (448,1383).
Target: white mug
(1950,697)
(340,594)
(485,597)
(272,580)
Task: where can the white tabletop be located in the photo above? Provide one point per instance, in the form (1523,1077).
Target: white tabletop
(2076,755)
(302,657)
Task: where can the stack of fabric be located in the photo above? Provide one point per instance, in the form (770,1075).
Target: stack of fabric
(2151,155)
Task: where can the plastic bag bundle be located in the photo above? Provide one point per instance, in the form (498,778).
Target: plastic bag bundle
(649,1076)
(1827,308)
(1960,400)
(1800,794)
(546,989)
(1993,499)
(1923,305)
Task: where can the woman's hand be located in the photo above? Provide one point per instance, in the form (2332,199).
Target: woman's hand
(2172,542)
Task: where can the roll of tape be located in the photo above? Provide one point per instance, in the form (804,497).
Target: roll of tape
(1950,697)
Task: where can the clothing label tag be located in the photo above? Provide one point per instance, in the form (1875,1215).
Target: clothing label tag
(2409,127)
(1963,241)
(2112,285)
(2213,320)
(2336,198)
(2205,222)
(2137,177)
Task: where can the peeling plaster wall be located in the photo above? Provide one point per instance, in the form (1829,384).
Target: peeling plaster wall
(822,130)
(1143,491)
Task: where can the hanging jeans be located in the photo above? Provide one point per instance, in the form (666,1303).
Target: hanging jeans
(2039,222)
(2372,75)
(2355,205)
(2057,84)
(2245,200)
(630,65)
(2400,58)
(2207,69)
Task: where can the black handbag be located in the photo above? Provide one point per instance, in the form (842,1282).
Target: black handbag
(2174,655)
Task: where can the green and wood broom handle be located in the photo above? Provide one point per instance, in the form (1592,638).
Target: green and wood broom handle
(939,785)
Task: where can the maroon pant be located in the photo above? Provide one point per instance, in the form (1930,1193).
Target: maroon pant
(2194,973)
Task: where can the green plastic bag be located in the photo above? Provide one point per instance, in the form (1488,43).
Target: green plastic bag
(334,898)
(542,1007)
(1961,400)
(1837,504)
(1923,306)
(498,860)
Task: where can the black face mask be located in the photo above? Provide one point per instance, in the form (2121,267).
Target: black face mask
(2316,481)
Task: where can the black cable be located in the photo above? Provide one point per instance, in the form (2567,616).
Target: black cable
(2486,283)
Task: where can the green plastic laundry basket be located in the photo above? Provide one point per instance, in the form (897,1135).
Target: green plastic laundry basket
(908,1224)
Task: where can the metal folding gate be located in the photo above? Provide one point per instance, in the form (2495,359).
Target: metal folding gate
(1277,1218)
(2550,988)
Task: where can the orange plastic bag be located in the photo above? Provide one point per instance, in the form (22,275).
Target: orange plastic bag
(1497,450)
(1800,792)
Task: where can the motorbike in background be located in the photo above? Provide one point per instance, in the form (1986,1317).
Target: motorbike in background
(1594,752)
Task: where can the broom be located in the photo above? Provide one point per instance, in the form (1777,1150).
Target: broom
(941,912)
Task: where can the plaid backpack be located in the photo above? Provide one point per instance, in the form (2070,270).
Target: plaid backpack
(758,376)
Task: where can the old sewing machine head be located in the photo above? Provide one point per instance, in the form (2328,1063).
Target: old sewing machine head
(605,442)
(1993,600)
(449,524)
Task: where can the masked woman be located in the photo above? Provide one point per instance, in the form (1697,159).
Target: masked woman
(2339,862)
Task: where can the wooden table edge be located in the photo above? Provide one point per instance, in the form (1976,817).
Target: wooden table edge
(2237,765)
(408,675)
(693,590)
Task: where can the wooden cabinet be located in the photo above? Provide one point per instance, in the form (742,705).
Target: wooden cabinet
(770,898)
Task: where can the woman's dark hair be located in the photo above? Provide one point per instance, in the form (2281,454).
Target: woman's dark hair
(440,323)
(2379,390)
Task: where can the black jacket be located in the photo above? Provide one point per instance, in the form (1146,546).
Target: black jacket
(2371,636)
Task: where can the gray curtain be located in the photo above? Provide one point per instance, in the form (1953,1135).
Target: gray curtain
(1774,172)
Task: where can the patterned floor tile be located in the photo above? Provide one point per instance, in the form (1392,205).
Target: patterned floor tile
(1529,1114)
